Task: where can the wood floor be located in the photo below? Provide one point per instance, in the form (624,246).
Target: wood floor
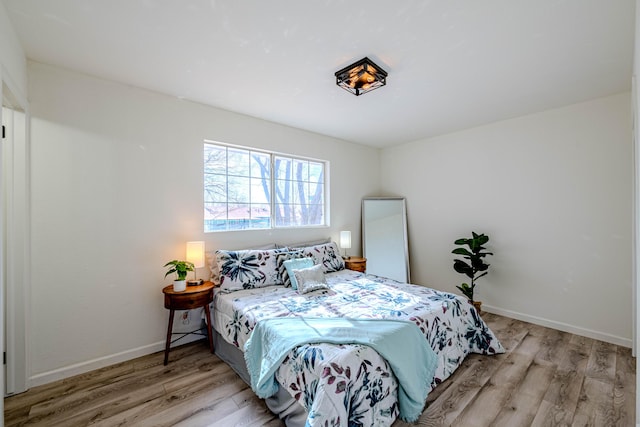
(546,378)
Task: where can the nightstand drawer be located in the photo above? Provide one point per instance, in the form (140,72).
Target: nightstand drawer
(188,301)
(356,264)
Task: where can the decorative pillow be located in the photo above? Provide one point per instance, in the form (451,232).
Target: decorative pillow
(247,269)
(310,279)
(213,261)
(282,270)
(296,264)
(213,267)
(327,255)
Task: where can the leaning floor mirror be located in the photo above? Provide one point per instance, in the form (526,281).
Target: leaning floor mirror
(384,237)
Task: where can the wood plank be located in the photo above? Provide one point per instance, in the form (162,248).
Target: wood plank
(207,416)
(521,409)
(175,407)
(595,406)
(497,391)
(243,397)
(252,415)
(463,390)
(137,399)
(212,367)
(208,399)
(624,388)
(467,364)
(66,386)
(554,345)
(510,332)
(561,399)
(71,404)
(602,362)
(145,384)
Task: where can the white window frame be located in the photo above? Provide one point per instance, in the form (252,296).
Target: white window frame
(272,186)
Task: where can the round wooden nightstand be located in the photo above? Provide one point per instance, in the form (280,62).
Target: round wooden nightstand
(192,297)
(356,263)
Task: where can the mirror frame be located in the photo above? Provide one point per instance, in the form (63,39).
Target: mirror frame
(405,241)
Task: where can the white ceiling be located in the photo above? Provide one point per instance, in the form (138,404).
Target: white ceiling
(452,64)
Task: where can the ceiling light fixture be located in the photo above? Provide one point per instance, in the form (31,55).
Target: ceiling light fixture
(361,77)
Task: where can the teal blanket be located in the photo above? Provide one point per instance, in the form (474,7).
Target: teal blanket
(401,343)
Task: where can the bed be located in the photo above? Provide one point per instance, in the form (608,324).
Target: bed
(332,384)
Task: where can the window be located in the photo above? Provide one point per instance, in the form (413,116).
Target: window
(239,184)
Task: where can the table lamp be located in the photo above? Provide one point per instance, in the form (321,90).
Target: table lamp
(345,242)
(195,254)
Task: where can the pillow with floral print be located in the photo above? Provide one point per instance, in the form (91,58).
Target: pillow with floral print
(282,270)
(247,269)
(212,261)
(326,255)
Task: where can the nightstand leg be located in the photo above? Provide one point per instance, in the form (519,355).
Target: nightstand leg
(207,312)
(168,346)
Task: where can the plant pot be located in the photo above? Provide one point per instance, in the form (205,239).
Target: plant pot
(179,285)
(478,306)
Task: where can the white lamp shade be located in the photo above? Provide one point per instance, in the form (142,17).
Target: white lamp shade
(345,239)
(195,253)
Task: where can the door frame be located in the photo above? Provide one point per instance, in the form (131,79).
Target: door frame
(15,254)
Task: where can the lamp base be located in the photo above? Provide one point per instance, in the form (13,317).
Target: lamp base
(194,282)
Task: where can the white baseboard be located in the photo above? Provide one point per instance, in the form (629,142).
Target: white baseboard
(601,336)
(101,362)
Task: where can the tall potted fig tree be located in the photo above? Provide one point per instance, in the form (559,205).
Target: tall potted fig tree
(473,265)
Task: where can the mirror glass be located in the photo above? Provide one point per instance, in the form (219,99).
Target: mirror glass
(384,237)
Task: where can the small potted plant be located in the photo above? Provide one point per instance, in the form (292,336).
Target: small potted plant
(475,268)
(181,268)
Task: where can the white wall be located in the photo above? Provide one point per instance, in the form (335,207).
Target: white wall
(13,63)
(553,191)
(117,191)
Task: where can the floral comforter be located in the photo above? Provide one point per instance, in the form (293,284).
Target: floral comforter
(351,384)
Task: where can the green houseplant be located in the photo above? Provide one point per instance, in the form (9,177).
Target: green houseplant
(474,267)
(181,268)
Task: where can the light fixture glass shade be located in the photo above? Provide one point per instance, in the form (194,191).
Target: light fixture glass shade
(361,77)
(195,253)
(345,239)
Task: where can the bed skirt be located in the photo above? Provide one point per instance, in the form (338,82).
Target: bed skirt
(282,403)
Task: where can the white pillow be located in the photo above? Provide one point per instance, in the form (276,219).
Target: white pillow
(310,279)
